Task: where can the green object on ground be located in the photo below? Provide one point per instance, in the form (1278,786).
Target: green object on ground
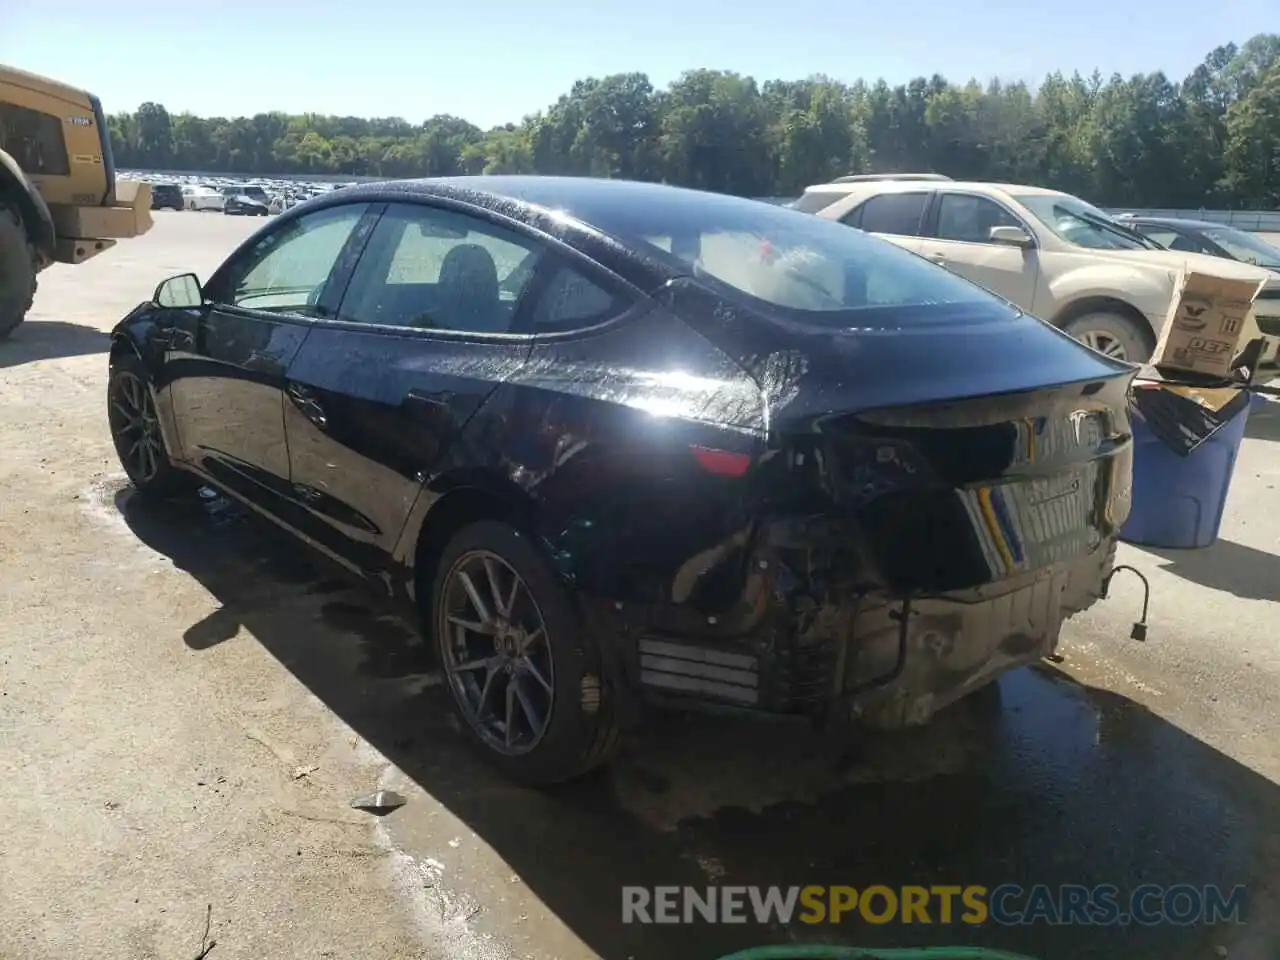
(817,951)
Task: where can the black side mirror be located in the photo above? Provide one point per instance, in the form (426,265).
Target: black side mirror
(182,292)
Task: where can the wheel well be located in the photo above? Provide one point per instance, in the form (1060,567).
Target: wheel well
(120,346)
(1079,308)
(455,510)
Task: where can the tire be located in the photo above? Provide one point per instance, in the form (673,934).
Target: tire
(1113,334)
(17,272)
(580,731)
(131,398)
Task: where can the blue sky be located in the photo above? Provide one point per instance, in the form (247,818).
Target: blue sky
(495,60)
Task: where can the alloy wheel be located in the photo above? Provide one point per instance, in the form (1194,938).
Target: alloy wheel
(1104,343)
(135,427)
(496,652)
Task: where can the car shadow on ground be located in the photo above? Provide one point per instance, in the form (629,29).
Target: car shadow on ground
(1246,572)
(1062,784)
(1264,421)
(50,339)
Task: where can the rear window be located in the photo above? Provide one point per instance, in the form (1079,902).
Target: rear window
(814,270)
(814,200)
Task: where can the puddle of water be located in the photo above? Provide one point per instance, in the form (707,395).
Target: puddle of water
(689,767)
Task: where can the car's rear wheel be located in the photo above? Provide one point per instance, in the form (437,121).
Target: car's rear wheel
(135,430)
(523,674)
(1112,334)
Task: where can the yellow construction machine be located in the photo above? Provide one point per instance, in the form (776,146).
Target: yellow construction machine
(60,201)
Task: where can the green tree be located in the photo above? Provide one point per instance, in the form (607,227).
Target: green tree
(1252,161)
(1144,140)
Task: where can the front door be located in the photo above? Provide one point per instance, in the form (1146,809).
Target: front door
(959,238)
(377,396)
(228,360)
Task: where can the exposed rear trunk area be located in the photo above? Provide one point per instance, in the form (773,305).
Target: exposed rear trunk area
(952,496)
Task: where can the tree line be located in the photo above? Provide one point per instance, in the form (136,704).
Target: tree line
(1212,139)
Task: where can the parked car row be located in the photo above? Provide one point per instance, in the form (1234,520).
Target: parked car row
(1107,281)
(251,198)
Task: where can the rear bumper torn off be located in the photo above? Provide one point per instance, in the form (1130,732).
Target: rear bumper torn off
(855,657)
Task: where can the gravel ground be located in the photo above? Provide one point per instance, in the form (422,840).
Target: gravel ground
(188,704)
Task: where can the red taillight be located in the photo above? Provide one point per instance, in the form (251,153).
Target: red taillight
(722,462)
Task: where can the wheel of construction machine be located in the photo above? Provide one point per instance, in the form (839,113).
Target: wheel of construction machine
(17,272)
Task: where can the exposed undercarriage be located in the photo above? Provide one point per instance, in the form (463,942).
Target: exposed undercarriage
(807,639)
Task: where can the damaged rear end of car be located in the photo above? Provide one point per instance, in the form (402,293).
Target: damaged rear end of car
(911,555)
(943,485)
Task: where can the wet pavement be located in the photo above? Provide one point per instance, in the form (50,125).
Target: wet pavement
(1049,780)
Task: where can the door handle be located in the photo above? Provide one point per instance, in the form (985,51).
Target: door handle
(309,494)
(303,399)
(442,399)
(937,257)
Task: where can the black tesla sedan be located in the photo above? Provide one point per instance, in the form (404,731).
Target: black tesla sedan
(621,444)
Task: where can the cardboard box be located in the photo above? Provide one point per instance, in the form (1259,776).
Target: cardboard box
(1206,323)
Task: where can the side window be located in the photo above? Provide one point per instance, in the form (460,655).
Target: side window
(570,301)
(969,219)
(286,271)
(1188,243)
(895,213)
(1161,235)
(440,270)
(35,140)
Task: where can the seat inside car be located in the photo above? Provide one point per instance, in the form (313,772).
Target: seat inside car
(467,291)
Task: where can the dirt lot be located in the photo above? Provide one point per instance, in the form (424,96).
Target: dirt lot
(188,705)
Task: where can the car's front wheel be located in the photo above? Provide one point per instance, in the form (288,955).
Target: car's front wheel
(523,674)
(1112,334)
(135,430)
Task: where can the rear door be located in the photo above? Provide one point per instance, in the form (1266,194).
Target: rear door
(958,237)
(228,360)
(378,395)
(896,217)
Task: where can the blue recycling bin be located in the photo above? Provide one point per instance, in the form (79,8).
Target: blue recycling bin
(1178,499)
